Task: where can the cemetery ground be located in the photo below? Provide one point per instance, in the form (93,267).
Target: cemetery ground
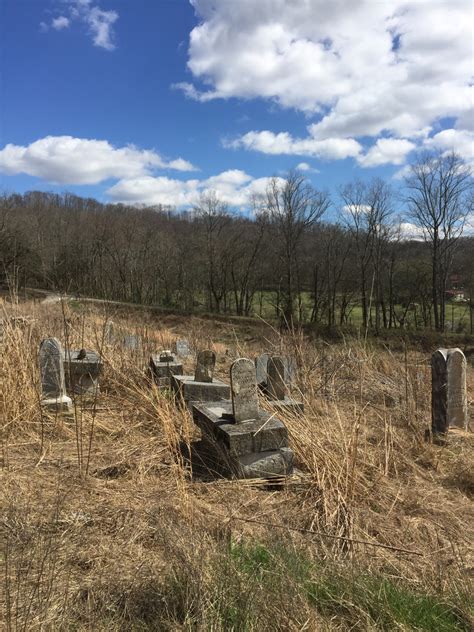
(110,521)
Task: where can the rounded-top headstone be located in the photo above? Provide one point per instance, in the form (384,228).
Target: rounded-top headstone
(457,410)
(52,368)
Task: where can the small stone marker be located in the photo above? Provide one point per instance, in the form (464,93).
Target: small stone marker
(132,341)
(53,385)
(182,348)
(244,390)
(206,361)
(276,383)
(448,390)
(82,371)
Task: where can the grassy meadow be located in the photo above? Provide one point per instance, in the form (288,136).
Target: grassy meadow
(108,522)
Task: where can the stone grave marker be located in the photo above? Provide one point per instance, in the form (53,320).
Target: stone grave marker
(276,385)
(448,390)
(132,342)
(163,366)
(82,370)
(53,385)
(202,386)
(261,367)
(243,385)
(183,349)
(206,362)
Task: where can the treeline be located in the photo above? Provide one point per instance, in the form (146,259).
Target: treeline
(283,260)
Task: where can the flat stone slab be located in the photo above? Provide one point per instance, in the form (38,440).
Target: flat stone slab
(186,388)
(263,434)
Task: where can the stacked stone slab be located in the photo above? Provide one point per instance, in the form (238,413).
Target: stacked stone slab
(162,367)
(82,369)
(250,442)
(448,391)
(277,386)
(202,386)
(53,385)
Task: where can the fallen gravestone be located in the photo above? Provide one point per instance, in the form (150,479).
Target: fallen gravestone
(53,386)
(249,442)
(202,386)
(448,391)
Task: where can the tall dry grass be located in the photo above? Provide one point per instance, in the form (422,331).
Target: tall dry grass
(108,523)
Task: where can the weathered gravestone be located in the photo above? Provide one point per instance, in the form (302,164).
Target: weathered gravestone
(183,350)
(277,386)
(202,386)
(132,342)
(163,366)
(51,362)
(82,370)
(249,442)
(244,390)
(448,390)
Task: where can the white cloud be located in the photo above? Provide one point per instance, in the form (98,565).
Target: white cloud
(361,68)
(68,160)
(62,22)
(387,151)
(304,166)
(283,143)
(234,187)
(461,141)
(99,22)
(409,231)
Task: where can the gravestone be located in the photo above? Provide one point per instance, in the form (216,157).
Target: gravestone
(202,386)
(109,332)
(244,390)
(206,362)
(276,386)
(53,386)
(448,390)
(82,370)
(132,342)
(166,356)
(261,368)
(249,442)
(183,350)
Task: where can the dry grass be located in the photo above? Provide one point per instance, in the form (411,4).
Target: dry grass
(107,527)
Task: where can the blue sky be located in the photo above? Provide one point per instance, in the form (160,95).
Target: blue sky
(149,101)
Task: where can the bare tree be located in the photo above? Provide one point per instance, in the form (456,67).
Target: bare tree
(439,197)
(293,206)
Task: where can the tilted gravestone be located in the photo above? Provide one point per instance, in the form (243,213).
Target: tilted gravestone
(202,386)
(249,442)
(53,385)
(244,390)
(448,390)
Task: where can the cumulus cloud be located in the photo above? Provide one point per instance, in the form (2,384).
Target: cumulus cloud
(69,160)
(99,22)
(304,166)
(391,68)
(284,143)
(235,187)
(387,151)
(59,23)
(461,141)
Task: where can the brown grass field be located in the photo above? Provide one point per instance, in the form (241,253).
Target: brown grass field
(106,524)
